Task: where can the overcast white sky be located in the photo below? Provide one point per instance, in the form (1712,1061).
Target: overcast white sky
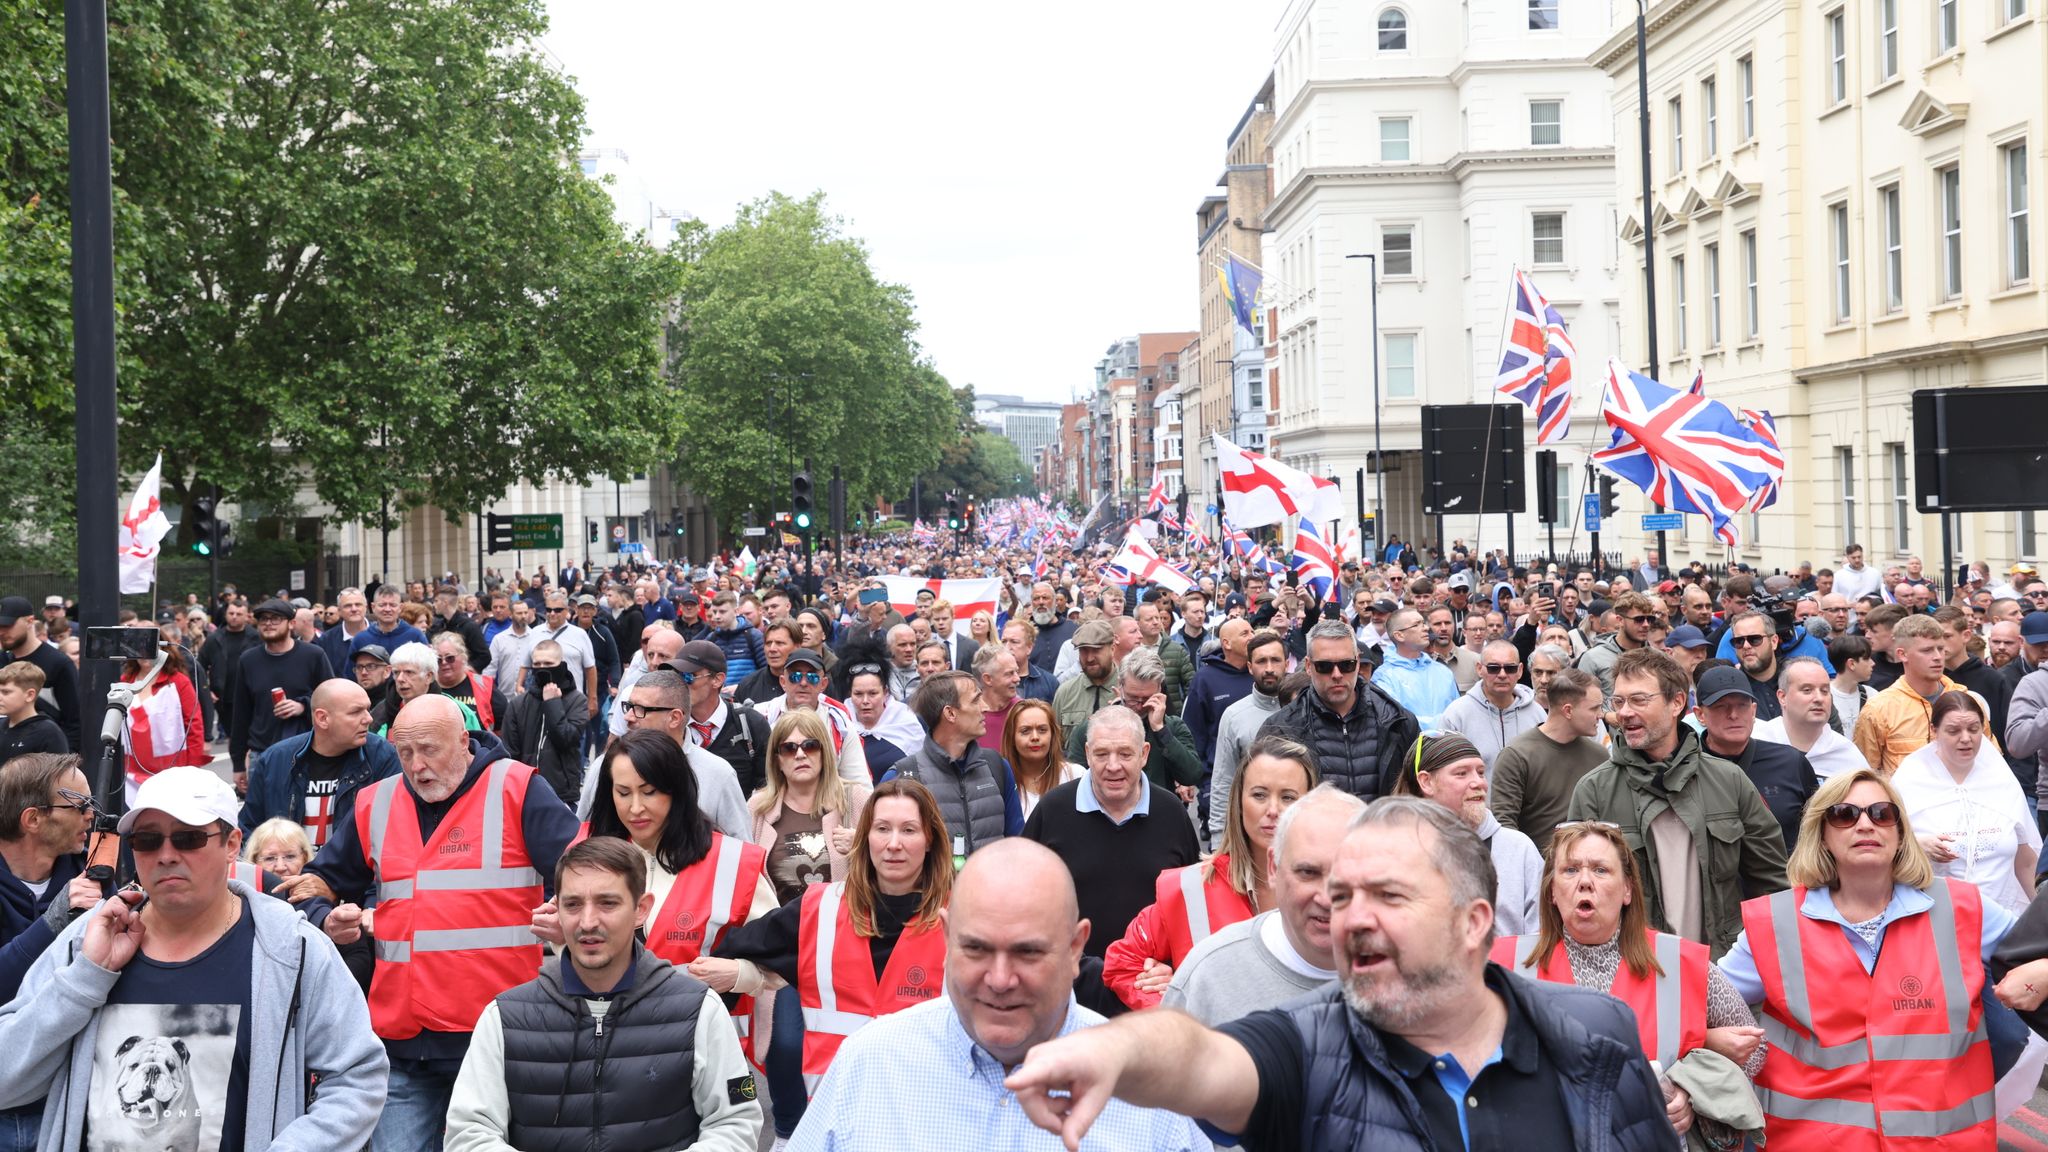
(1030,171)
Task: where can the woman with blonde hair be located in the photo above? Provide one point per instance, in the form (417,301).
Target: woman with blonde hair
(1870,970)
(982,627)
(1594,932)
(1189,904)
(1033,743)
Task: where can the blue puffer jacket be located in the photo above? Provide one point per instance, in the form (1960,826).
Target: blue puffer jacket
(1354,1098)
(278,788)
(743,652)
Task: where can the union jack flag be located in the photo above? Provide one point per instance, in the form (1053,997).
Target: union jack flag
(1238,542)
(1169,520)
(1766,429)
(923,533)
(1256,560)
(1200,539)
(1537,358)
(1156,498)
(1688,453)
(1314,560)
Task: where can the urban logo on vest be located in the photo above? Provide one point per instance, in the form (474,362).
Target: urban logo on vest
(1910,998)
(456,845)
(684,929)
(915,986)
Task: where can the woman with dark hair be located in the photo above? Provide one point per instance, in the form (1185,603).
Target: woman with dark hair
(165,727)
(1191,903)
(1967,809)
(704,883)
(1595,932)
(887,950)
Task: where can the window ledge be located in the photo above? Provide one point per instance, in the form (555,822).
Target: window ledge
(1750,345)
(1889,318)
(1749,145)
(1842,105)
(1890,82)
(1956,305)
(2023,288)
(1952,55)
(2024,20)
(1838,326)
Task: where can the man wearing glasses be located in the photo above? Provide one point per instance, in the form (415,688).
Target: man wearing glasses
(1634,616)
(577,654)
(45,814)
(661,701)
(1707,839)
(1357,731)
(1498,708)
(191,1013)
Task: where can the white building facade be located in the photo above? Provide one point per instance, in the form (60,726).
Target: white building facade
(1454,143)
(1841,215)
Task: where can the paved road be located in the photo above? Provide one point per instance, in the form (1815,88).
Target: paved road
(2027,1129)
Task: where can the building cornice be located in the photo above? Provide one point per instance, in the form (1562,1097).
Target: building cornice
(1310,178)
(1467,69)
(1609,56)
(1465,162)
(1946,350)
(1307,90)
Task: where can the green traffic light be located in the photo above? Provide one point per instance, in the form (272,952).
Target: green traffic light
(202,548)
(803,521)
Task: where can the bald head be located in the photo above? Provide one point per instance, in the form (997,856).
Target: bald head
(329,695)
(433,749)
(430,712)
(663,645)
(1013,947)
(341,717)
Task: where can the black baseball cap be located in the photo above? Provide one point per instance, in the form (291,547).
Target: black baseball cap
(13,608)
(800,656)
(1720,683)
(703,654)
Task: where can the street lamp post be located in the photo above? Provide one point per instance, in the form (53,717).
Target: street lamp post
(1649,225)
(1379,461)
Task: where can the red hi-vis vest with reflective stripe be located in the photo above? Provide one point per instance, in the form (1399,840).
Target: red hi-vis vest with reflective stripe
(1671,1009)
(708,897)
(836,975)
(1895,1058)
(1189,910)
(454,914)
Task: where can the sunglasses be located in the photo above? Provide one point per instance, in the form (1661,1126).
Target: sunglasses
(1642,619)
(1501,669)
(1747,641)
(1326,667)
(689,677)
(1884,814)
(792,747)
(796,677)
(184,839)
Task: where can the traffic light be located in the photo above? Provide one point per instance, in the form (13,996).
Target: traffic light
(675,518)
(970,515)
(1546,487)
(204,526)
(499,530)
(953,510)
(800,501)
(1610,501)
(594,533)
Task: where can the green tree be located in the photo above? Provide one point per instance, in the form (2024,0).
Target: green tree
(351,248)
(787,347)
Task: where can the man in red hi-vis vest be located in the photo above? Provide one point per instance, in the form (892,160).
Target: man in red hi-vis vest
(457,848)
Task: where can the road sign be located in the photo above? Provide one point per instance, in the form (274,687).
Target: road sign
(1663,521)
(1589,512)
(633,549)
(753,531)
(537,531)
(618,532)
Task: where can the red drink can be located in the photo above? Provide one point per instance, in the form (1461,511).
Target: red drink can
(276,696)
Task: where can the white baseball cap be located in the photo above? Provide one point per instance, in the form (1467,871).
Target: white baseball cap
(188,795)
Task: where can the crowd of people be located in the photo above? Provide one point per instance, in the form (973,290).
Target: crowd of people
(1468,855)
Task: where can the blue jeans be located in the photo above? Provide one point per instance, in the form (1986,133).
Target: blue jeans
(416,1106)
(18,1126)
(786,1094)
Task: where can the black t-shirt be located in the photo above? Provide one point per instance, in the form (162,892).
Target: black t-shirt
(171,1059)
(38,733)
(1517,1101)
(59,698)
(323,780)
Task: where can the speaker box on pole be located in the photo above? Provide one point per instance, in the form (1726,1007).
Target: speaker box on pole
(1472,459)
(1980,449)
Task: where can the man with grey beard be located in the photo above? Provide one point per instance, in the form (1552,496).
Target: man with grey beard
(1419,1043)
(1053,628)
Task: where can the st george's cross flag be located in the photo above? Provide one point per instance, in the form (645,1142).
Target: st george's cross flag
(1144,564)
(968,597)
(1258,490)
(143,524)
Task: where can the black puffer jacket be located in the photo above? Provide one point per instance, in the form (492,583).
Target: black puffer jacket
(1360,753)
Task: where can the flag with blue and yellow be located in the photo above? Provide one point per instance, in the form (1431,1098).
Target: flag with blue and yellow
(1240,287)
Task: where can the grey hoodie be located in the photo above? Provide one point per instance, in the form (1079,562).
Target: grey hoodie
(1235,731)
(1490,729)
(306,1016)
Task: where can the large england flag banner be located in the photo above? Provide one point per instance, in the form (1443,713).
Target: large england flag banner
(968,597)
(1258,490)
(1138,559)
(143,524)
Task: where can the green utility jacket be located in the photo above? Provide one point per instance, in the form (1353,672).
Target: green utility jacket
(1740,845)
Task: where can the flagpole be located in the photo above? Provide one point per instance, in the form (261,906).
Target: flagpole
(1649,225)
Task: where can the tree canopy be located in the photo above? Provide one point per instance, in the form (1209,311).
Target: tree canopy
(352,247)
(788,347)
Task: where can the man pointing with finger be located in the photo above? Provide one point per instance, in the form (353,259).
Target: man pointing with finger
(1420,1043)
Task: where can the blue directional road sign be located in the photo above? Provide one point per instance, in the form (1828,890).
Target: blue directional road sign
(1589,512)
(1663,521)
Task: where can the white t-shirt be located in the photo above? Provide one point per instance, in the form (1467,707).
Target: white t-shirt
(1831,753)
(1987,815)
